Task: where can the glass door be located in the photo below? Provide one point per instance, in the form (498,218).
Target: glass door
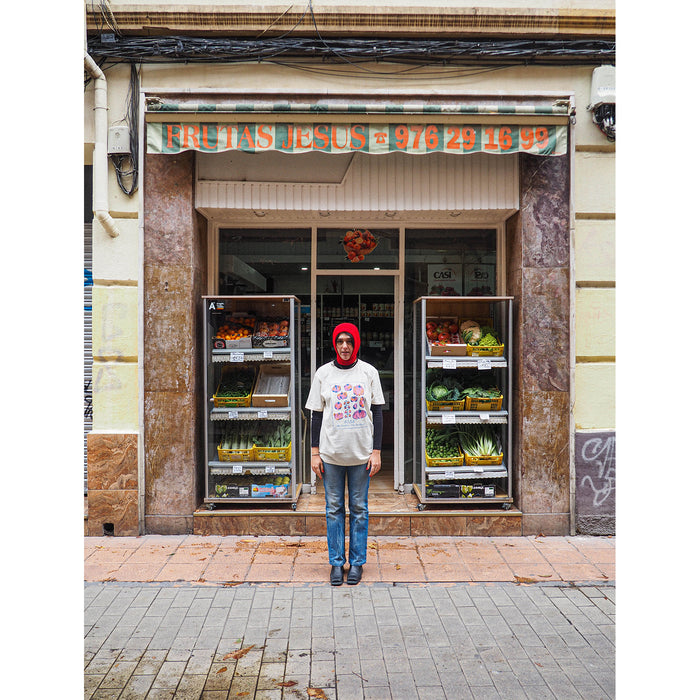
(366,299)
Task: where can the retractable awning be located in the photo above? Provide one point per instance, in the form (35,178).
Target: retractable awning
(496,127)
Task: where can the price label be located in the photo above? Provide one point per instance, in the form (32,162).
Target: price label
(267,354)
(484,416)
(483,363)
(449,419)
(449,363)
(262,414)
(479,470)
(236,357)
(233,414)
(449,473)
(269,469)
(237,469)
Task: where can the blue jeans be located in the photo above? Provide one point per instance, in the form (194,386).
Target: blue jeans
(334,476)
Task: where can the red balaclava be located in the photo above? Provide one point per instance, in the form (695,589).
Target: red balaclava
(354,333)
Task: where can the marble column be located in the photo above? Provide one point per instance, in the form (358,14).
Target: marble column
(538,277)
(174,280)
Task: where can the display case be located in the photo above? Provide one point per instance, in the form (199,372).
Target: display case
(462,376)
(252,442)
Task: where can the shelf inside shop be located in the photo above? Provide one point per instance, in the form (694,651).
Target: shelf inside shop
(438,417)
(251,354)
(251,413)
(465,361)
(466,472)
(217,468)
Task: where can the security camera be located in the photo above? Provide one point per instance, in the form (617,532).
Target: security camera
(602,102)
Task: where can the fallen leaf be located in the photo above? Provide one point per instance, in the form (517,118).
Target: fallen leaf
(316,693)
(232,583)
(372,545)
(238,654)
(538,664)
(202,558)
(242,694)
(201,580)
(397,566)
(525,579)
(287,684)
(222,669)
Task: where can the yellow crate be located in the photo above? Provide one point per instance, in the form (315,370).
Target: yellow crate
(445,405)
(483,461)
(232,401)
(485,350)
(273,454)
(236,455)
(474,404)
(444,461)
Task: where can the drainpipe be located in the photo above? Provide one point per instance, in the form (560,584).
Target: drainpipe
(99,160)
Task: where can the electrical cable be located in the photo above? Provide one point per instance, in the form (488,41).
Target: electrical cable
(126,165)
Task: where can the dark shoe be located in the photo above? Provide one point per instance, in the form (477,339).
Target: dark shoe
(354,575)
(336,575)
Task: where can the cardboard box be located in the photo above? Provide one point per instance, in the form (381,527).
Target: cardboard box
(272,387)
(451,349)
(268,491)
(478,491)
(439,490)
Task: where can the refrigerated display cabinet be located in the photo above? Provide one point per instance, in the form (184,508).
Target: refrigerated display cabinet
(252,442)
(462,479)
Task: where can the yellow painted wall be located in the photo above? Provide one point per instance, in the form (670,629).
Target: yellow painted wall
(594,407)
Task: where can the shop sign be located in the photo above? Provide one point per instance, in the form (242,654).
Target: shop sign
(258,137)
(444,280)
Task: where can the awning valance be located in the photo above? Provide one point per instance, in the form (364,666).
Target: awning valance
(305,136)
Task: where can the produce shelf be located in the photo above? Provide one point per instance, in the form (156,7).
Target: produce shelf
(252,354)
(217,468)
(252,413)
(466,472)
(436,417)
(469,362)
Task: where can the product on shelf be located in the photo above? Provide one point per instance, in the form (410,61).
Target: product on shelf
(443,337)
(442,448)
(237,443)
(480,337)
(441,489)
(235,332)
(273,442)
(271,333)
(235,388)
(443,392)
(479,443)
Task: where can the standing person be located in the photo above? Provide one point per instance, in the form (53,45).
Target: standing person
(346,402)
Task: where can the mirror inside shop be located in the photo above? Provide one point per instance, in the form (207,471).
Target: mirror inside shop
(437,262)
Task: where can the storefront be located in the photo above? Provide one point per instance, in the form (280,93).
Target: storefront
(463,194)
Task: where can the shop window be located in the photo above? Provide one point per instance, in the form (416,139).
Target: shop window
(358,248)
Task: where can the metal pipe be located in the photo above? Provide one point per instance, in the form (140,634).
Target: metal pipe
(99,160)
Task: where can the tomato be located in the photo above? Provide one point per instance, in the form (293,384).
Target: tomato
(432,335)
(431,325)
(453,328)
(444,336)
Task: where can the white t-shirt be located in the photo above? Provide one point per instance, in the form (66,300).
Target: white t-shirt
(345,396)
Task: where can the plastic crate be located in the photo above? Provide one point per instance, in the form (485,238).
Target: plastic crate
(444,461)
(233,401)
(485,350)
(483,461)
(273,454)
(481,404)
(445,405)
(239,455)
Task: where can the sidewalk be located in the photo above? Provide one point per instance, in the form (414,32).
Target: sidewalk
(218,618)
(237,559)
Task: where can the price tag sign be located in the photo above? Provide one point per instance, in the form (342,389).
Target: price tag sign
(262,414)
(483,363)
(237,469)
(479,470)
(484,416)
(236,357)
(233,414)
(449,473)
(269,469)
(449,363)
(267,354)
(449,419)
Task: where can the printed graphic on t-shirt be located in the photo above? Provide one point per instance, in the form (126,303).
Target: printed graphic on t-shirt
(349,405)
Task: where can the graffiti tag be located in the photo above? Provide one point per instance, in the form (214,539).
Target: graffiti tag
(598,454)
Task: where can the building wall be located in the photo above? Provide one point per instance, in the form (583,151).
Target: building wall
(113,445)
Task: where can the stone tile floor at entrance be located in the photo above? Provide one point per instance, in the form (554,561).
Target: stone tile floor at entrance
(238,559)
